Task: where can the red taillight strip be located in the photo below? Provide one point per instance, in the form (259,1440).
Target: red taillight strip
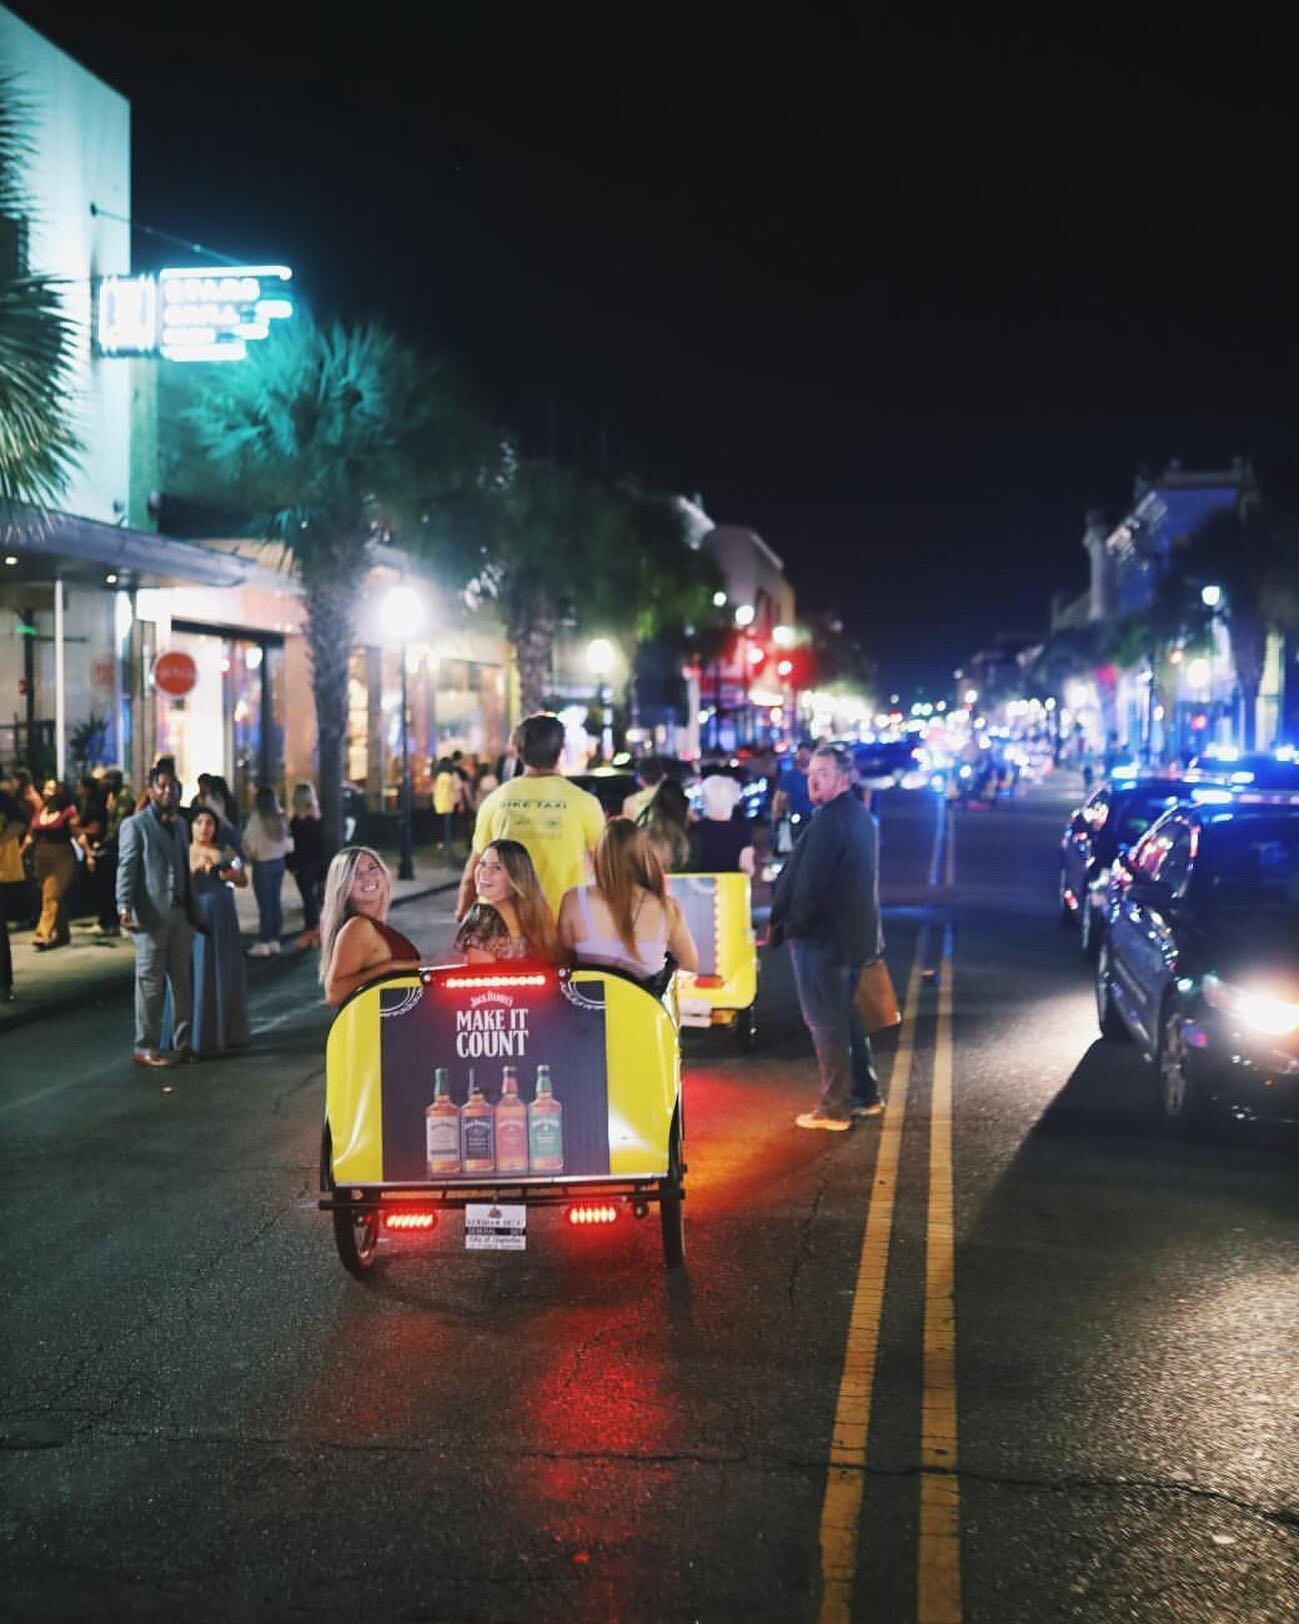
(605,1213)
(495,981)
(409,1220)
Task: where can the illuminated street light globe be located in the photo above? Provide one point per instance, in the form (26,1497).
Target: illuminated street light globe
(1211,596)
(744,613)
(719,600)
(971,696)
(600,656)
(782,636)
(1197,673)
(403,613)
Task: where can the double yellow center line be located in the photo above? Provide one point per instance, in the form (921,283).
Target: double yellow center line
(938,1587)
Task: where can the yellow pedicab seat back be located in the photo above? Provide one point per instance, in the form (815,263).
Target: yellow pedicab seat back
(719,911)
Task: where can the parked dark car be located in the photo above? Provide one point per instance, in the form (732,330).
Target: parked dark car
(1200,959)
(886,762)
(1112,818)
(1240,770)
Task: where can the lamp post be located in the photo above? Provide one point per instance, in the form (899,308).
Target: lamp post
(1211,598)
(403,616)
(600,656)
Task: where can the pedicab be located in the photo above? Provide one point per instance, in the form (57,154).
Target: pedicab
(494,1089)
(723,991)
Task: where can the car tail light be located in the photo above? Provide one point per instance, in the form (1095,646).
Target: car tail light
(592,1212)
(416,1218)
(708,981)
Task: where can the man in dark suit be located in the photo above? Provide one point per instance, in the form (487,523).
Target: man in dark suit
(155,902)
(826,905)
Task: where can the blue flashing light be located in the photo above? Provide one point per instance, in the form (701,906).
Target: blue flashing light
(1242,778)
(1211,797)
(1127,770)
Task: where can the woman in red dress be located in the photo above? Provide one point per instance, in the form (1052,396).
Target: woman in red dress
(356,942)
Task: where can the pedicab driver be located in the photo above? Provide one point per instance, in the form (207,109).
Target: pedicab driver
(558,823)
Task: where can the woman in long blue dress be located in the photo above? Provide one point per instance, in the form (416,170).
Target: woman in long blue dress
(220,992)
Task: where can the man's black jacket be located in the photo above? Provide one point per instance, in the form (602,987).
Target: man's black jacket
(829,887)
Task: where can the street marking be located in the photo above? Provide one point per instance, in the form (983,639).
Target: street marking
(846,1474)
(118,1066)
(938,1596)
(942,832)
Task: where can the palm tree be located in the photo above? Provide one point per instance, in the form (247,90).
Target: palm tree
(328,439)
(559,545)
(1252,552)
(39,450)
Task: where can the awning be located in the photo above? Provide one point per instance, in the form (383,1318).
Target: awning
(56,544)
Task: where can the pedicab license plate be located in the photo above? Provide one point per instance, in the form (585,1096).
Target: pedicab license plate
(490,1227)
(694,1012)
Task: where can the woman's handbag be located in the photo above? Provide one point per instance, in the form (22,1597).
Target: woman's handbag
(876,1001)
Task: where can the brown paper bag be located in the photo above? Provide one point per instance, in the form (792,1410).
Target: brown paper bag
(876,1001)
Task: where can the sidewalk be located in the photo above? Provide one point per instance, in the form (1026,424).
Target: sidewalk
(95,967)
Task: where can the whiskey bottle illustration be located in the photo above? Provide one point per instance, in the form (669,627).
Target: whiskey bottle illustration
(477,1131)
(442,1128)
(511,1126)
(545,1128)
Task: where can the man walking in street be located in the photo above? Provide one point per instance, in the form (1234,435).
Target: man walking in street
(155,902)
(559,823)
(826,905)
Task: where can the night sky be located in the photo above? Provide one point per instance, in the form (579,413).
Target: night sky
(907,304)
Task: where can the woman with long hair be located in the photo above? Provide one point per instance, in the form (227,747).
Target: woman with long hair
(356,942)
(666,820)
(626,919)
(267,843)
(53,832)
(511,918)
(307,859)
(220,1018)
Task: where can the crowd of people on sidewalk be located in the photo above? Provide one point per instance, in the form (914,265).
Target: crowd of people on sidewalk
(547,879)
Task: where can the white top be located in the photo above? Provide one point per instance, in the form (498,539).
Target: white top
(651,955)
(259,846)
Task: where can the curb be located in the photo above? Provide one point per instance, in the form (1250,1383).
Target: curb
(12,1016)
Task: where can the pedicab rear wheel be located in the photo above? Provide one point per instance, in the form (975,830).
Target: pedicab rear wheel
(670,1215)
(356,1234)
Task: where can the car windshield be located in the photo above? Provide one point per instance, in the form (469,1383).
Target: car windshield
(1135,813)
(1251,863)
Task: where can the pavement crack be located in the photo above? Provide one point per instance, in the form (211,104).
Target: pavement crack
(803,1238)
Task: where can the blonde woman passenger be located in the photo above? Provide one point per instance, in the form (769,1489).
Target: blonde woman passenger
(356,942)
(511,918)
(626,920)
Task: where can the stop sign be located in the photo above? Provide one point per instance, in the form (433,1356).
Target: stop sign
(174,673)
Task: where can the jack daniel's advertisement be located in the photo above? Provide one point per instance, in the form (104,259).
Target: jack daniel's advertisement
(498,1079)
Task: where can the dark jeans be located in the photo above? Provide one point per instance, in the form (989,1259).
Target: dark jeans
(106,887)
(6,955)
(843,1051)
(309,874)
(268,883)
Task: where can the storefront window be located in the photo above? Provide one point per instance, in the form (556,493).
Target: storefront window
(220,725)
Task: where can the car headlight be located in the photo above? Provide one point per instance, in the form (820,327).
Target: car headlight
(1262,1011)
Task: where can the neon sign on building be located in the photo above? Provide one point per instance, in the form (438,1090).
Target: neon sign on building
(191,314)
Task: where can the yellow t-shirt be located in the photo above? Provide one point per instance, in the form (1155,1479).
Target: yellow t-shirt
(555,820)
(444,793)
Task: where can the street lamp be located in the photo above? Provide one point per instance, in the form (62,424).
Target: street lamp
(600,656)
(403,617)
(1210,596)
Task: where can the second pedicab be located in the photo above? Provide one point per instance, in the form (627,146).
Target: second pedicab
(723,991)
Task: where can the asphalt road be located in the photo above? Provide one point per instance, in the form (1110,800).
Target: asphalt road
(205,1417)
